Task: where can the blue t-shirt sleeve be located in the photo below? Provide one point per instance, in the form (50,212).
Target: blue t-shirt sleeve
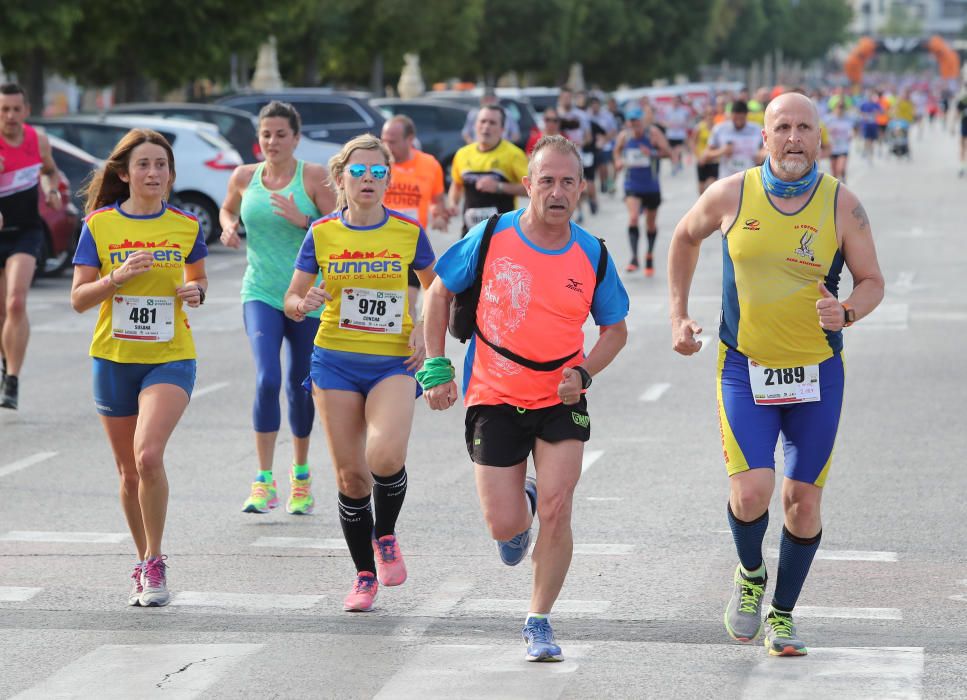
(457,267)
(610,304)
(306,260)
(199,250)
(86,253)
(424,256)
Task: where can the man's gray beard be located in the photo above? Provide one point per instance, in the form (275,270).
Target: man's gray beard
(784,165)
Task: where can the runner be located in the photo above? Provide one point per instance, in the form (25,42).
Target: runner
(140,261)
(539,265)
(486,173)
(576,126)
(366,352)
(638,150)
(736,143)
(25,163)
(416,189)
(787,232)
(511,130)
(276,200)
(840,127)
(869,110)
(707,169)
(677,119)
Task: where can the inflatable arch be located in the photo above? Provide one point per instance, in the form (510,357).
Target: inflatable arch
(948,61)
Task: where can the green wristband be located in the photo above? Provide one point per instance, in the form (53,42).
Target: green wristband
(436,371)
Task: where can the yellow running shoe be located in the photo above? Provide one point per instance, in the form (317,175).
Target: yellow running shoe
(262,499)
(300,500)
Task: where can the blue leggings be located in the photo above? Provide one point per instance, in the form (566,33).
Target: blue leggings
(266,328)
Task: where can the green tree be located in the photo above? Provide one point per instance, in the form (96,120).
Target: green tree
(828,25)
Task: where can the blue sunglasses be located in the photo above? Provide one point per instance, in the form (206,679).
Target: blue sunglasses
(357,170)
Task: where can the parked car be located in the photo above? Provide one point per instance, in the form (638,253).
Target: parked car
(76,164)
(238,127)
(203,159)
(438,124)
(517,107)
(60,229)
(326,115)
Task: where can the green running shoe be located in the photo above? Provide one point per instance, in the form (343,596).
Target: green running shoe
(300,500)
(743,615)
(781,638)
(262,499)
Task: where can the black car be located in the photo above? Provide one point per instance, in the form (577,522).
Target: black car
(520,109)
(438,124)
(326,115)
(238,127)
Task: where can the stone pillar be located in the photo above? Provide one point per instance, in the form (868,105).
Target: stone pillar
(411,80)
(267,76)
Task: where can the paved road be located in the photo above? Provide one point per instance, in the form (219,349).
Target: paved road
(257,598)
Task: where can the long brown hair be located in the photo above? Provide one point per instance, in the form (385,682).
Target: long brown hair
(106,186)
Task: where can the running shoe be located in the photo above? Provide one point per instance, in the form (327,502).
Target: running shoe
(632,266)
(513,551)
(154,583)
(780,635)
(743,615)
(363,594)
(390,568)
(300,500)
(649,265)
(9,392)
(262,499)
(134,598)
(540,640)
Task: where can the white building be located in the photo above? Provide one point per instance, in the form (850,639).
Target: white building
(944,17)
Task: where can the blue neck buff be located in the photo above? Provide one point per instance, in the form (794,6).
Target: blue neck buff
(785,189)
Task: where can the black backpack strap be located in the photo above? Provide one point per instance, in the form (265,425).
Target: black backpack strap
(475,288)
(602,267)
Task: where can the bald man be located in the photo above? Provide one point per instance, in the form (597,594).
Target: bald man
(788,229)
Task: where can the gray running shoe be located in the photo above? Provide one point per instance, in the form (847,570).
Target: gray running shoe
(781,638)
(9,392)
(743,616)
(154,583)
(134,598)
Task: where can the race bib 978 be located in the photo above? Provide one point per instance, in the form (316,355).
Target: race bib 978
(372,310)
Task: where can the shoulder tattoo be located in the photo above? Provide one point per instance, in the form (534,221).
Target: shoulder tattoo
(859,213)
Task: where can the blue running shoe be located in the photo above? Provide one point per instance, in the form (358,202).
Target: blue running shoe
(513,551)
(540,640)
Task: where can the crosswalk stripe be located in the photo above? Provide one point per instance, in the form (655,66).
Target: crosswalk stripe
(124,671)
(880,673)
(17,594)
(74,537)
(845,554)
(654,392)
(211,388)
(26,462)
(248,601)
(590,457)
(848,613)
(561,607)
(300,543)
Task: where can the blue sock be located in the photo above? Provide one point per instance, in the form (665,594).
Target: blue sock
(748,539)
(795,557)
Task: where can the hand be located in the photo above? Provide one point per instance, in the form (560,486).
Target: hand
(441,396)
(53,198)
(569,390)
(830,311)
(728,150)
(418,346)
(314,298)
(287,209)
(644,149)
(684,331)
(137,263)
(229,237)
(487,184)
(190,294)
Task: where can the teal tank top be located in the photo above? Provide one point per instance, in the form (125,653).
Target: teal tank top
(272,243)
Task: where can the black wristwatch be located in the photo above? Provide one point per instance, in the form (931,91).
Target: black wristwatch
(201,294)
(849,315)
(585,376)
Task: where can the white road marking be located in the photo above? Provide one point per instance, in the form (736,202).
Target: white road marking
(848,613)
(847,555)
(445,597)
(119,672)
(248,601)
(604,498)
(891,317)
(17,594)
(904,283)
(958,316)
(480,672)
(75,537)
(300,543)
(209,389)
(561,607)
(26,462)
(654,392)
(590,457)
(880,673)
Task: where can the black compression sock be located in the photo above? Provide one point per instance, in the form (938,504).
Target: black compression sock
(356,518)
(388,495)
(652,235)
(633,236)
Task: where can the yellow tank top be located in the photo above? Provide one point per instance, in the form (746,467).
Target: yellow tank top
(771,264)
(702,132)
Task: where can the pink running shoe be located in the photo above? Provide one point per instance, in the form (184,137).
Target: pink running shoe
(154,583)
(134,598)
(363,594)
(390,568)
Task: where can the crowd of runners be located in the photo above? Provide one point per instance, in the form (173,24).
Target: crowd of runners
(337,255)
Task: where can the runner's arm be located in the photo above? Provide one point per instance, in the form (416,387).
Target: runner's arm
(49,172)
(610,341)
(300,290)
(228,214)
(436,315)
(319,189)
(859,252)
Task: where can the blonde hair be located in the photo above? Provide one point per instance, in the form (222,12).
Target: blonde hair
(106,186)
(338,163)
